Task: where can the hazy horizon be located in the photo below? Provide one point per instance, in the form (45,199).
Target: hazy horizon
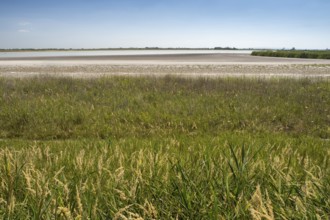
(165,24)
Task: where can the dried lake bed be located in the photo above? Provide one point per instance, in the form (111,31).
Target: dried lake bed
(181,64)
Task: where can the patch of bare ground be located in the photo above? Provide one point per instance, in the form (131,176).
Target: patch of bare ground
(188,70)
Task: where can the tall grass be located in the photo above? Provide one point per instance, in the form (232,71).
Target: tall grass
(164,148)
(318,54)
(164,179)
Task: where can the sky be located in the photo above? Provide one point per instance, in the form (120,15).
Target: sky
(303,24)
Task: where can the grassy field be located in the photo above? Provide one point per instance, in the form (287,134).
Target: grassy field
(317,54)
(164,148)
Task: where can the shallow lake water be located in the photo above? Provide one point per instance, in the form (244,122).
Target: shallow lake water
(114,52)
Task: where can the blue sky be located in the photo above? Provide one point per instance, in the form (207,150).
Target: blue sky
(164,23)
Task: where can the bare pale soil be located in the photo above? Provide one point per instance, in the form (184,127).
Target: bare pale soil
(205,65)
(189,70)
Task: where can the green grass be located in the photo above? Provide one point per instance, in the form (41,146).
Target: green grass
(164,148)
(317,54)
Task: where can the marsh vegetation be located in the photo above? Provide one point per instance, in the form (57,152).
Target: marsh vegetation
(164,148)
(311,54)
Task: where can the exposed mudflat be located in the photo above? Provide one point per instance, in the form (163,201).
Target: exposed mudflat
(199,65)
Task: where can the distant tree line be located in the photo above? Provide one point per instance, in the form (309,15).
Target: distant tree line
(90,49)
(225,48)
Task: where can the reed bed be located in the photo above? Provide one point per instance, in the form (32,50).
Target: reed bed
(164,148)
(310,54)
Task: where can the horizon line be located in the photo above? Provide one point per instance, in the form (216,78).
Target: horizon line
(153,48)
